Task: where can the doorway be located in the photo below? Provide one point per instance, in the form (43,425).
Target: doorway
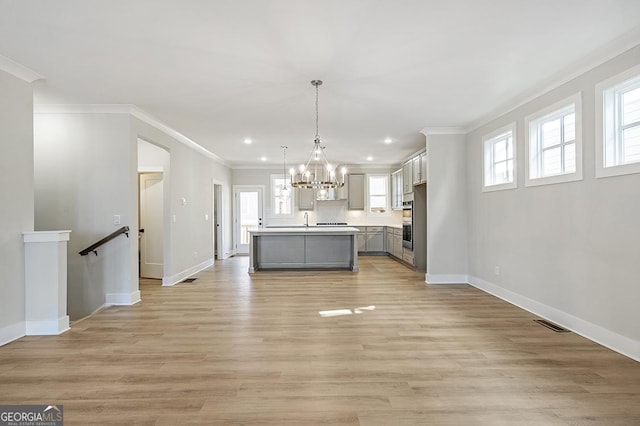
(218,245)
(153,216)
(248,210)
(151,235)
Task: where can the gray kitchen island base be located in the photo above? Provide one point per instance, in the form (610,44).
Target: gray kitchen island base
(303,248)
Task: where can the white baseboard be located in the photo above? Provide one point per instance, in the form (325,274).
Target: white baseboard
(175,279)
(594,332)
(45,328)
(446,279)
(124,299)
(12,332)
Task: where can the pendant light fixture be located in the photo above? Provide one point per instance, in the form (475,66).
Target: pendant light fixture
(317,173)
(285,190)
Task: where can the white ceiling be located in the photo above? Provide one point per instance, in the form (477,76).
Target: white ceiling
(219,71)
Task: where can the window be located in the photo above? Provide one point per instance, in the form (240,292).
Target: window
(282,198)
(500,159)
(618,125)
(554,143)
(378,193)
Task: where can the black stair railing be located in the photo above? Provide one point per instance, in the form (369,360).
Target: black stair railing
(93,247)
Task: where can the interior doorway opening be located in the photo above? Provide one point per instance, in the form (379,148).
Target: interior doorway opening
(153,223)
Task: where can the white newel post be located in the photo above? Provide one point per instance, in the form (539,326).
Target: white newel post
(46,282)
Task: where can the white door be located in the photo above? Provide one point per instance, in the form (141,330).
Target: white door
(248,215)
(151,225)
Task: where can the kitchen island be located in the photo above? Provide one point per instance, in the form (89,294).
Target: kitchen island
(303,247)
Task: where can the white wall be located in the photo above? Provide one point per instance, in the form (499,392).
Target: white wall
(16,188)
(570,251)
(324,211)
(447,259)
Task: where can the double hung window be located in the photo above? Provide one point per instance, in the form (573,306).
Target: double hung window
(500,159)
(618,127)
(554,143)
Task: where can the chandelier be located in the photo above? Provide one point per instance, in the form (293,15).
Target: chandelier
(317,173)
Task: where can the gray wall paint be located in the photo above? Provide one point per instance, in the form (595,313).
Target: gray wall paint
(85,174)
(191,177)
(573,247)
(16,187)
(447,259)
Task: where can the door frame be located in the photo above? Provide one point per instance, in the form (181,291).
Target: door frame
(217,194)
(240,188)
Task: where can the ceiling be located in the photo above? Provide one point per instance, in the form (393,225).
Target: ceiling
(221,71)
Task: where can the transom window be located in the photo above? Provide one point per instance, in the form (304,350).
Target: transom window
(500,159)
(554,143)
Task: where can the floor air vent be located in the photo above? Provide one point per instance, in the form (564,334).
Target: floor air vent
(552,326)
(189,280)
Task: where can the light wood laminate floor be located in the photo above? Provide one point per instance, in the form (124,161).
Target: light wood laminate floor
(234,348)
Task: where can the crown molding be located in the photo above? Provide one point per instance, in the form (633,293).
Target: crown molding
(443,131)
(154,122)
(82,109)
(18,70)
(135,112)
(592,60)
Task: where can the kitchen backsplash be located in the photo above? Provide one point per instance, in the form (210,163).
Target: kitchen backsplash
(337,211)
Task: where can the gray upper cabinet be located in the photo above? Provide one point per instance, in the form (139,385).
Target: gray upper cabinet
(356,192)
(396,190)
(419,168)
(416,169)
(407,177)
(306,198)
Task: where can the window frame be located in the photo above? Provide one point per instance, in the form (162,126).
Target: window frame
(608,121)
(387,206)
(533,148)
(274,197)
(488,142)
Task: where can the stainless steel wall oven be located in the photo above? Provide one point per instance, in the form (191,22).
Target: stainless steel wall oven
(407,224)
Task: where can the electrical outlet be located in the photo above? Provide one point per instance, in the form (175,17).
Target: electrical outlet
(496,270)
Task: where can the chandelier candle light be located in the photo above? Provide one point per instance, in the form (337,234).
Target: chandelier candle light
(317,173)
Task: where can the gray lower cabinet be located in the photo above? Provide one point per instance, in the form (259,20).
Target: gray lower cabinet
(375,239)
(306,198)
(394,241)
(397,245)
(371,239)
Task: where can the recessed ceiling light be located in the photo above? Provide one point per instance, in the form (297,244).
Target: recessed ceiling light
(263,158)
(369,158)
(388,140)
(247,141)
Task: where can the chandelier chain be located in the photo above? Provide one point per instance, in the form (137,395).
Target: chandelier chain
(317,127)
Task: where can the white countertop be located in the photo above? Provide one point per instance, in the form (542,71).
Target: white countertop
(305,230)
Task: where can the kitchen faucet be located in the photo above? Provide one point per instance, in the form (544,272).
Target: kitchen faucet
(306,219)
